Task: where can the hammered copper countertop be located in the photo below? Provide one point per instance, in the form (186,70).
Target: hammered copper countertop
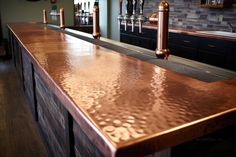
(129,106)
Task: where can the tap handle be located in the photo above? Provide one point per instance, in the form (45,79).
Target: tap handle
(141,6)
(126,6)
(120,7)
(134,6)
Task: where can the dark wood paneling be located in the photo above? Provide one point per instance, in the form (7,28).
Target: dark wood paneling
(53,119)
(83,146)
(10,43)
(29,82)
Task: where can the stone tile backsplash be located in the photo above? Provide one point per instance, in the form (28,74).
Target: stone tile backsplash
(189,14)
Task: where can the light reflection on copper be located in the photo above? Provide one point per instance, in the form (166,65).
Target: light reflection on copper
(127,99)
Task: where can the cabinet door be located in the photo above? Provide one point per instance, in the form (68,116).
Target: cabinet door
(231,58)
(146,39)
(213,51)
(125,38)
(183,45)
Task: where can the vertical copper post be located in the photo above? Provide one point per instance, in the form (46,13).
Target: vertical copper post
(140,17)
(96,30)
(62,19)
(45,19)
(162,50)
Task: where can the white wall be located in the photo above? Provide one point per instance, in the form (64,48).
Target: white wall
(108,12)
(113,10)
(23,10)
(103,17)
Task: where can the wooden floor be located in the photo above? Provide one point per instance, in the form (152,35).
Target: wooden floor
(19,135)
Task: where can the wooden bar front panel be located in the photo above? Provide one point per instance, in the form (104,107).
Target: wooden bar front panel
(52,119)
(84,147)
(29,81)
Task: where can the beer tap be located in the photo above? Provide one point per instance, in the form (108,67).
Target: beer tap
(126,17)
(120,16)
(133,18)
(140,16)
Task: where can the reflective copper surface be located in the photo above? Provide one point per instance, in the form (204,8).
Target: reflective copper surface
(129,103)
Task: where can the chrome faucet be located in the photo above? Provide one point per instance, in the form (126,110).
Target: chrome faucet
(133,18)
(126,17)
(231,27)
(140,16)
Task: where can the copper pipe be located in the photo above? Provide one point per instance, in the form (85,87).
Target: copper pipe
(62,19)
(96,30)
(162,50)
(45,19)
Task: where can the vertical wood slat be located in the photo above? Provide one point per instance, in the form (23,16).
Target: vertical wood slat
(28,75)
(83,147)
(10,35)
(18,58)
(53,119)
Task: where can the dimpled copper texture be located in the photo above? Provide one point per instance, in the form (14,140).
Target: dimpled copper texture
(128,100)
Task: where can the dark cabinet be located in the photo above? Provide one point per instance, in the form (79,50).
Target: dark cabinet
(146,39)
(231,58)
(183,45)
(217,52)
(213,51)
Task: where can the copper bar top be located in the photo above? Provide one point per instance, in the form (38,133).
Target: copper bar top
(126,106)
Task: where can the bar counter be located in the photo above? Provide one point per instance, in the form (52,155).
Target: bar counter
(198,33)
(110,104)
